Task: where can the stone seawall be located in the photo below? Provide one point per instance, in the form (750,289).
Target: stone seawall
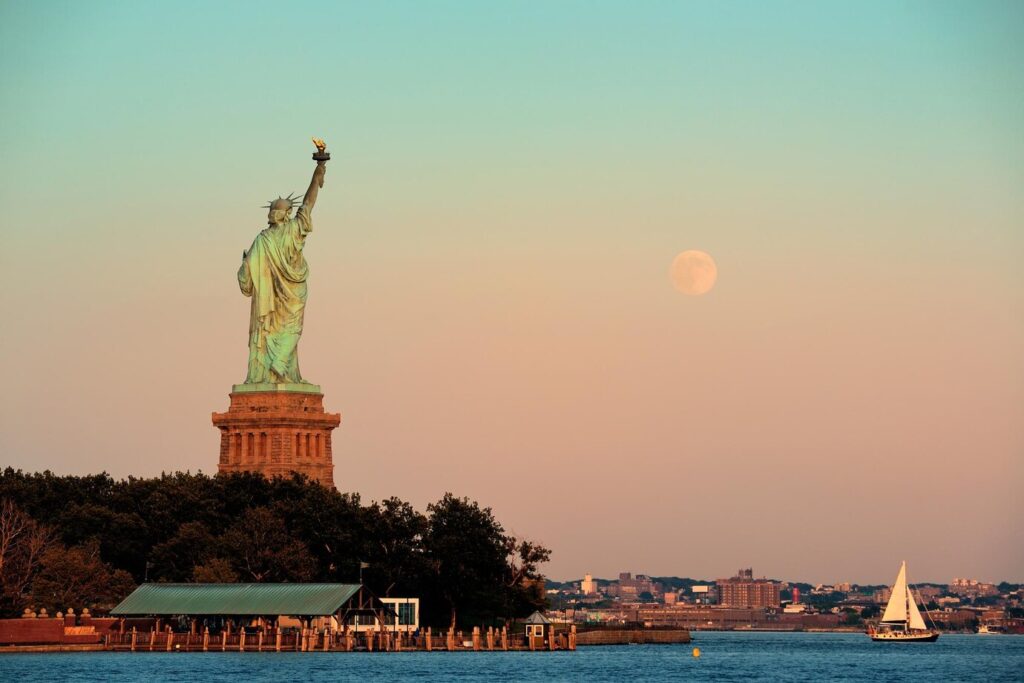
(627,636)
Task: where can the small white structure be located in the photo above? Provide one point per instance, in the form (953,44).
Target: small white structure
(406,618)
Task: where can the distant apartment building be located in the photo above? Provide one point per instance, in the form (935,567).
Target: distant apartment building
(588,586)
(630,587)
(743,590)
(972,588)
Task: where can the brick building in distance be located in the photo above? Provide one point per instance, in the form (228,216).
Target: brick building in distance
(743,590)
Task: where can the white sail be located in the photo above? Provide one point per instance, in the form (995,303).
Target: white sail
(916,622)
(896,610)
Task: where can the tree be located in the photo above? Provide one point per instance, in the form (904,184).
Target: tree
(217,570)
(177,558)
(396,556)
(261,550)
(466,550)
(77,577)
(23,542)
(850,617)
(870,612)
(525,586)
(243,527)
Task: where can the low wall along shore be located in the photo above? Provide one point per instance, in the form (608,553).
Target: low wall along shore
(628,636)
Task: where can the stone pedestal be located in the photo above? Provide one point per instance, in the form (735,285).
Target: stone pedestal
(276,430)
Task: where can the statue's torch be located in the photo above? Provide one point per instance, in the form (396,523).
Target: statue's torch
(321,154)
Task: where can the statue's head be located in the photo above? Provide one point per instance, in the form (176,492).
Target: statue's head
(280,209)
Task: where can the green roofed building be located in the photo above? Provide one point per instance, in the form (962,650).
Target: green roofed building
(340,600)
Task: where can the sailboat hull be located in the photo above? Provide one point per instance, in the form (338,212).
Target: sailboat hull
(902,637)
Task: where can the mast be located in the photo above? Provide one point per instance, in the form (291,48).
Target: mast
(906,623)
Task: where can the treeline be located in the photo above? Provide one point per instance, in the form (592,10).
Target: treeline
(68,541)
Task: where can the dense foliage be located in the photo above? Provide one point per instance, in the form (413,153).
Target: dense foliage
(85,541)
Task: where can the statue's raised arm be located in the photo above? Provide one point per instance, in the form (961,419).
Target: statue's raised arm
(321,156)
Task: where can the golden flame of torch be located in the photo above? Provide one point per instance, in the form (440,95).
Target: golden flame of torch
(320,144)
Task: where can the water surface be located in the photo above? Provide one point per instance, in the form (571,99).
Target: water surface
(724,657)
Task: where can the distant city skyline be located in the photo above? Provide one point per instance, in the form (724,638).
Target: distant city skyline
(491,305)
(791,580)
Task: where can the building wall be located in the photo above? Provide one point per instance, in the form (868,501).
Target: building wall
(748,593)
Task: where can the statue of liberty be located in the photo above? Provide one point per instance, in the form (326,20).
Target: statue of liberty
(273,274)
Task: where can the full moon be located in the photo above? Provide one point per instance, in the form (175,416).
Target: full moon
(694,272)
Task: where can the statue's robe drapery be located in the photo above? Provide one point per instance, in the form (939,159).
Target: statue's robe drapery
(274,274)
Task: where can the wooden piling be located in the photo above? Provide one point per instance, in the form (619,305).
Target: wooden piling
(259,642)
(277,639)
(135,635)
(206,639)
(572,637)
(476,639)
(241,640)
(504,638)
(170,639)
(428,640)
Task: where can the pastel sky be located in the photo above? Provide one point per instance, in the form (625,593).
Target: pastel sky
(490,304)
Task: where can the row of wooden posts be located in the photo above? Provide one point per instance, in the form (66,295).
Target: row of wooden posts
(313,640)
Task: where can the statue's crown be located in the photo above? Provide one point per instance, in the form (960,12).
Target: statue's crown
(288,203)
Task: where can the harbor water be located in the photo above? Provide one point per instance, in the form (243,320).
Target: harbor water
(724,656)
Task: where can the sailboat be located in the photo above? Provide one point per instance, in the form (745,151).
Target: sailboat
(902,622)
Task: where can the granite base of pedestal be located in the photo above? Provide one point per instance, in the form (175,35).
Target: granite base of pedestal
(276,433)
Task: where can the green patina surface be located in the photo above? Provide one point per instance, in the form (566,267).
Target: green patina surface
(295,387)
(293,599)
